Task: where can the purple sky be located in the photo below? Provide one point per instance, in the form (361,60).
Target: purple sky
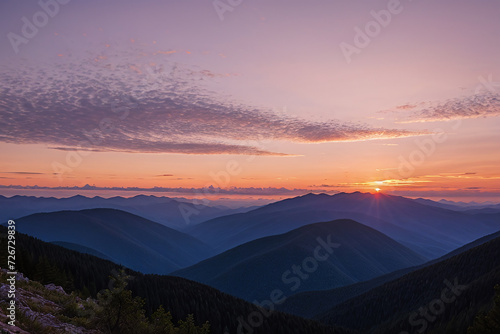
(149,88)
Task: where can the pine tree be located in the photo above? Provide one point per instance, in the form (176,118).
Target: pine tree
(40,270)
(161,322)
(188,326)
(117,311)
(490,322)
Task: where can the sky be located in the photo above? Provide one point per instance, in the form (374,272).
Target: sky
(250,99)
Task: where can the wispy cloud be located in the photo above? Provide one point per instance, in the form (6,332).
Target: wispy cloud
(149,104)
(447,194)
(406,106)
(482,104)
(23,173)
(467,175)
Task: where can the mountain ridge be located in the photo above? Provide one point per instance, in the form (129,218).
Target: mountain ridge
(321,301)
(428,230)
(172,212)
(123,237)
(363,252)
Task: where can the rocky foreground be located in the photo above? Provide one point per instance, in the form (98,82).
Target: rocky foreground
(40,309)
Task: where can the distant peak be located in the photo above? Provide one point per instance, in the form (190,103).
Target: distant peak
(78,196)
(355,193)
(143,196)
(313,195)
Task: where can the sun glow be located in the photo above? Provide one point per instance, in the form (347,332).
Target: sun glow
(377,189)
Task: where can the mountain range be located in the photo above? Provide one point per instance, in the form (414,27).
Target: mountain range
(312,303)
(174,213)
(430,231)
(443,297)
(87,275)
(366,262)
(122,237)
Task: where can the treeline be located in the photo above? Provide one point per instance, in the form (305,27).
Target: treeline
(116,311)
(415,303)
(87,275)
(47,263)
(488,323)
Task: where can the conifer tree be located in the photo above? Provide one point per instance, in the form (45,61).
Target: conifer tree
(117,311)
(490,322)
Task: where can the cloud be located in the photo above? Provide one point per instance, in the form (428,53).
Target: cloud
(467,175)
(211,74)
(479,105)
(406,106)
(117,101)
(176,179)
(324,186)
(210,190)
(23,173)
(447,194)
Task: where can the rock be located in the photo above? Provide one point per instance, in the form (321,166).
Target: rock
(8,329)
(53,287)
(37,304)
(21,278)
